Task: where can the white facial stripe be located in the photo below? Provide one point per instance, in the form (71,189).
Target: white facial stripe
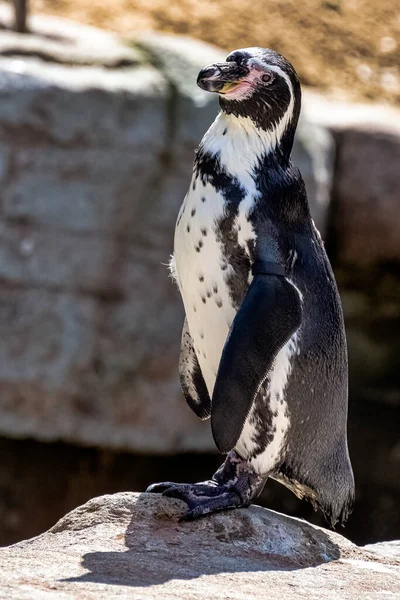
(286,77)
(271,138)
(256,63)
(277,132)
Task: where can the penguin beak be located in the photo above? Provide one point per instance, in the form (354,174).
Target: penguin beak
(221,77)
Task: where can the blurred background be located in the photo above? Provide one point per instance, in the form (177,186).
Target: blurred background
(99,119)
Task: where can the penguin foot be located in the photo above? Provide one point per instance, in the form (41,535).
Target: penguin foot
(234,485)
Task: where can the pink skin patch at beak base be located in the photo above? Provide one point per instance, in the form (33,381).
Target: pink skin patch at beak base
(243,89)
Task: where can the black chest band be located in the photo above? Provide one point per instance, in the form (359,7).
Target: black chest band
(264,267)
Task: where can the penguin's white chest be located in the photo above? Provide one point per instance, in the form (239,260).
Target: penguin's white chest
(202,272)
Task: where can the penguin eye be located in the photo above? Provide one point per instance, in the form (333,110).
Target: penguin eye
(267,77)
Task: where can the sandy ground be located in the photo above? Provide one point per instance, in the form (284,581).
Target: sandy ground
(349,47)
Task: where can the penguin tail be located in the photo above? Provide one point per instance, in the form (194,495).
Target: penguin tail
(338,508)
(328,484)
(336,492)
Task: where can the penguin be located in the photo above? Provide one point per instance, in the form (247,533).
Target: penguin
(263,350)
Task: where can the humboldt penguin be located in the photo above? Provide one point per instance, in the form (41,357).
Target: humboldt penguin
(263,345)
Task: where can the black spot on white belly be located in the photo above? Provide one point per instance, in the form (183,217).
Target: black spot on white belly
(209,169)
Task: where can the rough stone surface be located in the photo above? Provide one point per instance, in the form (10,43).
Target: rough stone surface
(385,549)
(90,189)
(132,546)
(63,41)
(180,59)
(314,154)
(365,223)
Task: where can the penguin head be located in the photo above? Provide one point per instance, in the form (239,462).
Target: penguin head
(259,84)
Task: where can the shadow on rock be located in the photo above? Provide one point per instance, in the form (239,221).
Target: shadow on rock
(245,540)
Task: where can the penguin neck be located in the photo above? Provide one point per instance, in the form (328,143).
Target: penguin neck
(242,146)
(234,149)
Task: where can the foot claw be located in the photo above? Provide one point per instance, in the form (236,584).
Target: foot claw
(191,492)
(159,488)
(233,486)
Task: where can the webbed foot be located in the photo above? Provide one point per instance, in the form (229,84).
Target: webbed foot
(234,485)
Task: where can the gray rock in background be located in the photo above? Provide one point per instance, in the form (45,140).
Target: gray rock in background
(180,59)
(132,545)
(89,196)
(65,42)
(314,154)
(365,223)
(368,189)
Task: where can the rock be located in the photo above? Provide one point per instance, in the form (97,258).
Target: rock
(67,42)
(367,187)
(91,186)
(180,59)
(385,549)
(365,224)
(132,545)
(76,141)
(342,116)
(314,154)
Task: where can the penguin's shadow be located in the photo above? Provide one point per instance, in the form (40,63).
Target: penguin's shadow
(175,550)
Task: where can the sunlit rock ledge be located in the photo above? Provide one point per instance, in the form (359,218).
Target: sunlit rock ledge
(133,546)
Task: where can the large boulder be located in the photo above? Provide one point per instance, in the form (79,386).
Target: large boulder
(366,221)
(365,225)
(90,189)
(133,546)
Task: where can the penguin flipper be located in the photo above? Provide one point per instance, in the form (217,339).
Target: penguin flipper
(192,381)
(268,317)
